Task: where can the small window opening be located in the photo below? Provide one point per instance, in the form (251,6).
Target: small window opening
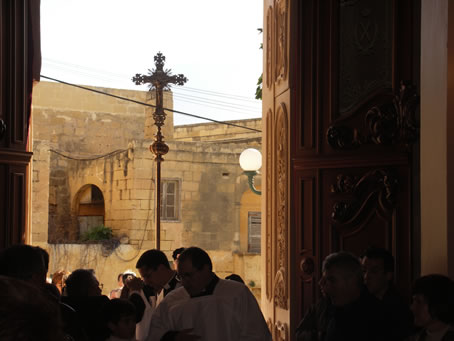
(91,209)
(254,232)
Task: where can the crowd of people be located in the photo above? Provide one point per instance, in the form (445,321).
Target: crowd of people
(189,301)
(360,302)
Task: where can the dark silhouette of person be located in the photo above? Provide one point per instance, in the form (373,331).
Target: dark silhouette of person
(433,308)
(235,277)
(378,272)
(29,263)
(27,313)
(355,314)
(120,318)
(175,254)
(84,296)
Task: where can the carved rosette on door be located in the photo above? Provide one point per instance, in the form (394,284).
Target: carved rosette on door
(307,266)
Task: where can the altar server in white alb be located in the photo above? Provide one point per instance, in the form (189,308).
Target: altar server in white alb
(207,308)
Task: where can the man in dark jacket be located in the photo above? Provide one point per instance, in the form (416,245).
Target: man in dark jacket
(378,271)
(356,315)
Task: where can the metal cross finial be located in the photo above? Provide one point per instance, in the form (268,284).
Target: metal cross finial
(159,80)
(159,60)
(158,77)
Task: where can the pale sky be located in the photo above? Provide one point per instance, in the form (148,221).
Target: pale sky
(214,43)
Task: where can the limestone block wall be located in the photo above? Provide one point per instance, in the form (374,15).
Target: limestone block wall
(219,132)
(73,128)
(81,139)
(212,186)
(40,191)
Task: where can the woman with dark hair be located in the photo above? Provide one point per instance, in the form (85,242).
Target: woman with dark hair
(433,308)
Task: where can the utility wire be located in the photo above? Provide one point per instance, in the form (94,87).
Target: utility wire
(219,94)
(195,99)
(105,75)
(215,102)
(149,105)
(177,94)
(210,106)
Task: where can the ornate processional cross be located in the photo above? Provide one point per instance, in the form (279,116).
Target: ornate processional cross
(159,80)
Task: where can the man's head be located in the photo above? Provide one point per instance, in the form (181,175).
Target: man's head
(154,269)
(195,270)
(23,262)
(120,316)
(83,283)
(433,300)
(120,280)
(27,313)
(378,270)
(175,255)
(342,278)
(235,277)
(45,256)
(127,276)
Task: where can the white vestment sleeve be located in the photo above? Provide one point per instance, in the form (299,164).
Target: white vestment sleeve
(254,327)
(159,323)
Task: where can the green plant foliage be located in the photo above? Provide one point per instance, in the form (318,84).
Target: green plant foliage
(258,90)
(97,233)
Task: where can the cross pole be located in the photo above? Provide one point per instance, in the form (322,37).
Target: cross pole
(159,80)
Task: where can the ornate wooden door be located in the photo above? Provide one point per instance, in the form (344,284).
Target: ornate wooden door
(19,22)
(340,134)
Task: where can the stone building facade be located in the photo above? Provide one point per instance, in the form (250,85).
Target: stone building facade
(92,166)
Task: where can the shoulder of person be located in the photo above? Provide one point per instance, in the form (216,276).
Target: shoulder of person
(449,336)
(233,285)
(230,285)
(176,295)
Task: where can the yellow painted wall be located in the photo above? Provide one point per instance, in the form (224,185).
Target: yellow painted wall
(437,153)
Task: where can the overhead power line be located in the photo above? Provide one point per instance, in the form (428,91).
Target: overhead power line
(106,75)
(216,102)
(149,105)
(214,105)
(218,94)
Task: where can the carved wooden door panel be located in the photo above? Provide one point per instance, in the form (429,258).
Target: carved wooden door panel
(339,107)
(19,20)
(275,193)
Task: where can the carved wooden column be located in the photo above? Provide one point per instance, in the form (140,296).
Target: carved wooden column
(276,106)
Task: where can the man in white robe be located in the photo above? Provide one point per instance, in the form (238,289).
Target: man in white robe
(156,274)
(206,307)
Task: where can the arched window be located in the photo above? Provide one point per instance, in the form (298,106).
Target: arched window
(90,208)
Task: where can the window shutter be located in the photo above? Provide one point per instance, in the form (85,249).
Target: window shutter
(254,232)
(169,199)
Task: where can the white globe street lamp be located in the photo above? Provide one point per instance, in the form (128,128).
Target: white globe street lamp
(250,162)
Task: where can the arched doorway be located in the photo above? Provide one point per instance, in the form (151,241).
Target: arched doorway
(89,204)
